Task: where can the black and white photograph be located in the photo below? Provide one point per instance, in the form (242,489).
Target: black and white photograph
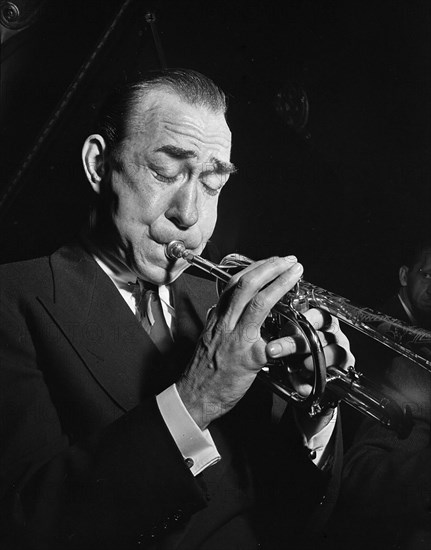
(215,275)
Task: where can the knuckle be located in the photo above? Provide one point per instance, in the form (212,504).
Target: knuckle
(340,356)
(314,317)
(244,281)
(272,259)
(258,304)
(334,325)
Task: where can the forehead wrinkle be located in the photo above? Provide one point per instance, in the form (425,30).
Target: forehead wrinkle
(197,134)
(158,125)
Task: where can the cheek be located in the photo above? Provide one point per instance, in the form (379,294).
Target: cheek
(136,206)
(208,217)
(417,291)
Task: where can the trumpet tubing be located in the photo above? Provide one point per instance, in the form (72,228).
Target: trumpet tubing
(405,339)
(330,384)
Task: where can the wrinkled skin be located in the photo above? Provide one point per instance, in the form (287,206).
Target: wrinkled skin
(162,184)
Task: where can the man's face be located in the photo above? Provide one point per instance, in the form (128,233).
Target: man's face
(165,183)
(417,285)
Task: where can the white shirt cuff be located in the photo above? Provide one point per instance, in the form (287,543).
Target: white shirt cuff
(196,445)
(319,444)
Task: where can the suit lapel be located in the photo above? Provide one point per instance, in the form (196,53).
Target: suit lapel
(92,315)
(99,325)
(94,318)
(191,297)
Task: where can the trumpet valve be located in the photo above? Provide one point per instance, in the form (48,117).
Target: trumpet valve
(298,299)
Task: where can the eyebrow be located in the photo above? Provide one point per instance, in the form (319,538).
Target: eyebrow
(219,166)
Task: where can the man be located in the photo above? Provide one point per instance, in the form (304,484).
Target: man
(386,481)
(411,305)
(115,438)
(413,302)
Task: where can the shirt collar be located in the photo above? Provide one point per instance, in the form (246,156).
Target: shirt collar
(123,278)
(112,266)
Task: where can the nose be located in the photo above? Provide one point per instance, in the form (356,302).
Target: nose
(183,209)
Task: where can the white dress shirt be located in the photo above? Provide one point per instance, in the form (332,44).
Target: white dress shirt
(196,445)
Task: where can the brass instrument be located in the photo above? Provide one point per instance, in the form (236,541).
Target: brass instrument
(330,384)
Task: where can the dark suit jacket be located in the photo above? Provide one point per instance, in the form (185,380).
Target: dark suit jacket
(86,459)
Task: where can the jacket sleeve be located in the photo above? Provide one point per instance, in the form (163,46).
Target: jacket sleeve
(295,498)
(123,485)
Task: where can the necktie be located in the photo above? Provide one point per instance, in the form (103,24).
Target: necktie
(150,314)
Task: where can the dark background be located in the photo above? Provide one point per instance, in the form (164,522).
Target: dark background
(345,193)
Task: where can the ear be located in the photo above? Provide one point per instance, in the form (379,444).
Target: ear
(402,274)
(93,159)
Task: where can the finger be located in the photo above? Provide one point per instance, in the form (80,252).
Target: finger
(269,294)
(321,319)
(236,276)
(334,356)
(302,378)
(302,383)
(246,295)
(229,287)
(336,336)
(282,347)
(211,312)
(339,337)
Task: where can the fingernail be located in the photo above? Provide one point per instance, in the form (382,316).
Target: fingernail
(291,259)
(297,268)
(274,350)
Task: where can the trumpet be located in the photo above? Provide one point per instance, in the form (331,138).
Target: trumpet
(329,384)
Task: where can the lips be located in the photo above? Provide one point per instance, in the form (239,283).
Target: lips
(190,244)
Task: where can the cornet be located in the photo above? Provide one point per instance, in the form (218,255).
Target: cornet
(329,384)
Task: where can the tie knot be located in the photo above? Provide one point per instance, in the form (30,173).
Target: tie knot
(142,291)
(145,286)
(150,314)
(140,287)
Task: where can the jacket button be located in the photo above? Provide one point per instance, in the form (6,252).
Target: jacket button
(189,462)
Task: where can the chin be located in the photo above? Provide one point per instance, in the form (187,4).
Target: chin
(162,274)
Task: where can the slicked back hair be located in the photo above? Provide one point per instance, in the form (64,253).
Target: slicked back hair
(189,85)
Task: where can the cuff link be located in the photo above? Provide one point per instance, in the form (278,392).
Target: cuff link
(189,462)
(312,454)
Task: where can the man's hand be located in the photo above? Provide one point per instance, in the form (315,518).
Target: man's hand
(335,345)
(336,348)
(231,350)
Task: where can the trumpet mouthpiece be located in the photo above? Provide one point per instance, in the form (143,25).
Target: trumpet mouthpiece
(175,250)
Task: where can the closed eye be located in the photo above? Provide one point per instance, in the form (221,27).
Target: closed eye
(163,176)
(165,179)
(213,182)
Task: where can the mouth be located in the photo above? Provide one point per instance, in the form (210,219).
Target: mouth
(175,250)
